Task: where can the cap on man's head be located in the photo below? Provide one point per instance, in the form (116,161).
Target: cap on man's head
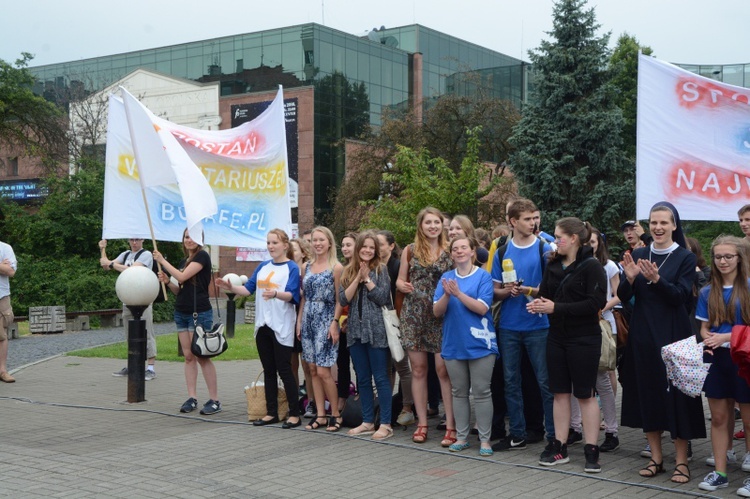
(629,223)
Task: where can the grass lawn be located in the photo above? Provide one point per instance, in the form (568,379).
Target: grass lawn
(23,329)
(241,347)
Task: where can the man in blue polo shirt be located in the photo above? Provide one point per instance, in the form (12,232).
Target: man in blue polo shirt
(517,326)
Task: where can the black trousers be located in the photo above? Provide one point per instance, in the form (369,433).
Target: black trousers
(344,368)
(277,361)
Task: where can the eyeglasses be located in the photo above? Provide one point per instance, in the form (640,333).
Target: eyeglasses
(726,258)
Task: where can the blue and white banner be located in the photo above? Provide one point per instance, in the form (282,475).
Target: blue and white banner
(246,168)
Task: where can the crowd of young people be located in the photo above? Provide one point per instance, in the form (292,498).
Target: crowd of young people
(482,310)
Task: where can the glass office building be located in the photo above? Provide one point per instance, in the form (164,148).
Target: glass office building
(355,77)
(733,74)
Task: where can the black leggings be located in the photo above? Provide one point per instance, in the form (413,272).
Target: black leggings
(276,358)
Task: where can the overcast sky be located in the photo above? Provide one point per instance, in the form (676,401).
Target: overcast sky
(681,31)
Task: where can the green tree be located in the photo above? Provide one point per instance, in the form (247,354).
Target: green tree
(423,180)
(28,122)
(624,66)
(569,156)
(442,131)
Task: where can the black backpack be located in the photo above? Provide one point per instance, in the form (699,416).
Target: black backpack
(154,268)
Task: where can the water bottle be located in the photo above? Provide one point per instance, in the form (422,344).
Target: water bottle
(509,273)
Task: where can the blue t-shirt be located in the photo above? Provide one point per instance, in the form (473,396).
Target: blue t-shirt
(466,335)
(278,315)
(701,310)
(528,266)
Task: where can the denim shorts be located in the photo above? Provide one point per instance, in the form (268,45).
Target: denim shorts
(185,322)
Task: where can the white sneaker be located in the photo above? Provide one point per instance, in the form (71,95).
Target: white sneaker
(746,462)
(744,491)
(405,418)
(731,459)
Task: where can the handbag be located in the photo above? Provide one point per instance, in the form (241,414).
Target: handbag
(393,333)
(399,302)
(256,400)
(622,327)
(207,344)
(608,357)
(686,370)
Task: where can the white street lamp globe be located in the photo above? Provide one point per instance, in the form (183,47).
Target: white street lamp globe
(232,279)
(137,286)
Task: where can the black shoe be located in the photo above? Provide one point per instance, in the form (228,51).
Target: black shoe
(497,434)
(287,425)
(574,437)
(264,422)
(311,411)
(592,459)
(441,424)
(189,406)
(533,436)
(211,407)
(611,443)
(555,453)
(510,443)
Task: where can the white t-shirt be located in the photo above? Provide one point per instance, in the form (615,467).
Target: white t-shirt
(127,258)
(611,269)
(6,252)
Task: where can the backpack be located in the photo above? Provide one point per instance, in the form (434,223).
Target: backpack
(154,268)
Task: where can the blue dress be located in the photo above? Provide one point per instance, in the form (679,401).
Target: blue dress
(317,316)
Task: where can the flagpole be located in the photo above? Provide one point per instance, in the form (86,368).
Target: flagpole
(134,143)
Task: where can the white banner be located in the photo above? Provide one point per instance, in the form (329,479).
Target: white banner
(693,146)
(246,168)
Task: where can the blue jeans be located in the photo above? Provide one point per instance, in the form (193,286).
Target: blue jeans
(371,363)
(535,343)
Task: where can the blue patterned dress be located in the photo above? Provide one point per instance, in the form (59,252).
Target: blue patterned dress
(320,303)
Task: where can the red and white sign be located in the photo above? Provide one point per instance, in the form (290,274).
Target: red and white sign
(693,146)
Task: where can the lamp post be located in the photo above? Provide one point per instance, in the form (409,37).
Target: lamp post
(235,280)
(137,287)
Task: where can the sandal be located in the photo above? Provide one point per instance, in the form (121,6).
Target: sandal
(334,423)
(420,436)
(652,469)
(316,423)
(679,475)
(361,430)
(383,433)
(449,440)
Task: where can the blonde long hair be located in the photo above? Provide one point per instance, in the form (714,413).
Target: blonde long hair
(422,249)
(331,257)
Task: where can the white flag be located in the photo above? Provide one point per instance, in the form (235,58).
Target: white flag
(693,143)
(161,160)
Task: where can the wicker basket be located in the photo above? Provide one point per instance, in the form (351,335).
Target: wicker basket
(256,400)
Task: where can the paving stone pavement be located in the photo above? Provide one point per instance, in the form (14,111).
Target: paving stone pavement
(67,431)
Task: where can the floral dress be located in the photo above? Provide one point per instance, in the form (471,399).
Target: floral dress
(421,331)
(317,316)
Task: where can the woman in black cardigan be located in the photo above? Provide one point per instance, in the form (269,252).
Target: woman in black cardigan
(572,292)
